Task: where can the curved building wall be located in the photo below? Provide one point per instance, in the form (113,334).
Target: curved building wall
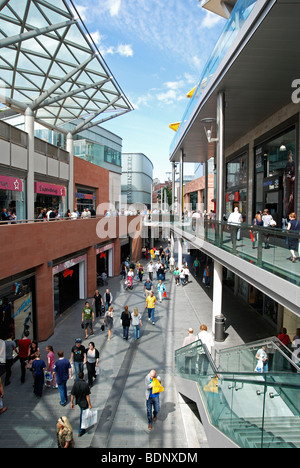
(137,177)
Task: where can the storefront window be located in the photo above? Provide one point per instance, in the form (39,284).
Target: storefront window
(12,197)
(276,176)
(49,196)
(85,198)
(17,308)
(236,185)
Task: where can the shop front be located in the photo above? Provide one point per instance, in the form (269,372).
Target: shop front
(13,196)
(275,175)
(85,198)
(17,307)
(49,196)
(105,260)
(69,283)
(236,184)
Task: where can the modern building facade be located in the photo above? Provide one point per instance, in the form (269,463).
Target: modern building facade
(59,87)
(137,177)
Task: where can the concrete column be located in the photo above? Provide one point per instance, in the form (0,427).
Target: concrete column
(179,260)
(70,149)
(172,243)
(181,184)
(173,186)
(220,158)
(29,129)
(217,292)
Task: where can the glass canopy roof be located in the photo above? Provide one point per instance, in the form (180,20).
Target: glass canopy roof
(49,63)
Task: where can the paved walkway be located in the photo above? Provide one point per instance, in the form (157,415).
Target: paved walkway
(119,392)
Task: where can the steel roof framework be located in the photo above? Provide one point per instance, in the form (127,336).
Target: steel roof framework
(50,65)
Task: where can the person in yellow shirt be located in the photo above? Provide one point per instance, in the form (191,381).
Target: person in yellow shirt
(150,305)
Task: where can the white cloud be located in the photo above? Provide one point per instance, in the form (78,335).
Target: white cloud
(125,50)
(211,20)
(114,6)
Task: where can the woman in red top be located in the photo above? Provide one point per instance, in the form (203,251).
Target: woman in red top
(284,338)
(24,344)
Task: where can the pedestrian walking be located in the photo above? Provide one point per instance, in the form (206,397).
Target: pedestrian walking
(136,323)
(108,298)
(153,389)
(262,360)
(150,305)
(207,340)
(160,290)
(64,433)
(126,321)
(92,361)
(293,242)
(2,407)
(80,395)
(109,321)
(32,353)
(177,276)
(150,270)
(23,348)
(38,368)
(50,379)
(186,272)
(10,348)
(148,287)
(78,357)
(62,371)
(88,317)
(206,276)
(98,301)
(190,358)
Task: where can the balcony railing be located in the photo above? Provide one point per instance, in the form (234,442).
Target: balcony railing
(267,248)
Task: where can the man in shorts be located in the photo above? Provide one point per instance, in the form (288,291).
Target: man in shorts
(88,317)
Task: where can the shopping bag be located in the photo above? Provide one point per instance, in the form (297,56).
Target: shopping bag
(48,376)
(89,418)
(165,294)
(259,366)
(251,235)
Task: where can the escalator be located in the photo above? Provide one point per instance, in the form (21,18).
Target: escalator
(239,407)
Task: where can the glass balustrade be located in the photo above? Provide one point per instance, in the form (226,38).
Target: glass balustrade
(255,410)
(265,248)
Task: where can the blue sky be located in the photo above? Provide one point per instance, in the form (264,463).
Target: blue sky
(156,49)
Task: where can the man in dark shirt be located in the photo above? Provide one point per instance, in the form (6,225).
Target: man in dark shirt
(78,357)
(63,371)
(81,392)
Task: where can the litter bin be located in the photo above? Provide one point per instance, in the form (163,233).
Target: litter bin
(219,328)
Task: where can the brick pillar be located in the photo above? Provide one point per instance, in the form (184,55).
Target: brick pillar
(91,271)
(44,302)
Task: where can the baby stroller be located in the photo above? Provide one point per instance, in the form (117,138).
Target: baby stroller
(129,283)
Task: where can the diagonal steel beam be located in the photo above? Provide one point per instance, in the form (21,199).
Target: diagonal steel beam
(37,102)
(63,96)
(95,114)
(12,40)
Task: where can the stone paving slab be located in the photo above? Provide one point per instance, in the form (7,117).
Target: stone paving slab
(119,391)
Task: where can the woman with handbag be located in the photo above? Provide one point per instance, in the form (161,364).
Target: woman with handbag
(109,321)
(125,320)
(161,290)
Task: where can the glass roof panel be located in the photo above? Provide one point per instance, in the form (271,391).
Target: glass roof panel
(52,63)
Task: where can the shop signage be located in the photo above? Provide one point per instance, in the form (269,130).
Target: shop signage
(272,184)
(68,272)
(11,183)
(50,189)
(85,196)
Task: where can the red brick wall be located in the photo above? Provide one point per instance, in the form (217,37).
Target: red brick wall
(90,175)
(33,245)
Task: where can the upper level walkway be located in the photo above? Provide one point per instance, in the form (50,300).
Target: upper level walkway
(119,391)
(241,249)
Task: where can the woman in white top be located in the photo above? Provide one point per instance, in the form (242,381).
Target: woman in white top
(207,340)
(92,360)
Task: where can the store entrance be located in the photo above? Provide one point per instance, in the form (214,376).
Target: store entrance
(66,289)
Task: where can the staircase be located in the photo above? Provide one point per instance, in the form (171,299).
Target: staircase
(239,407)
(248,433)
